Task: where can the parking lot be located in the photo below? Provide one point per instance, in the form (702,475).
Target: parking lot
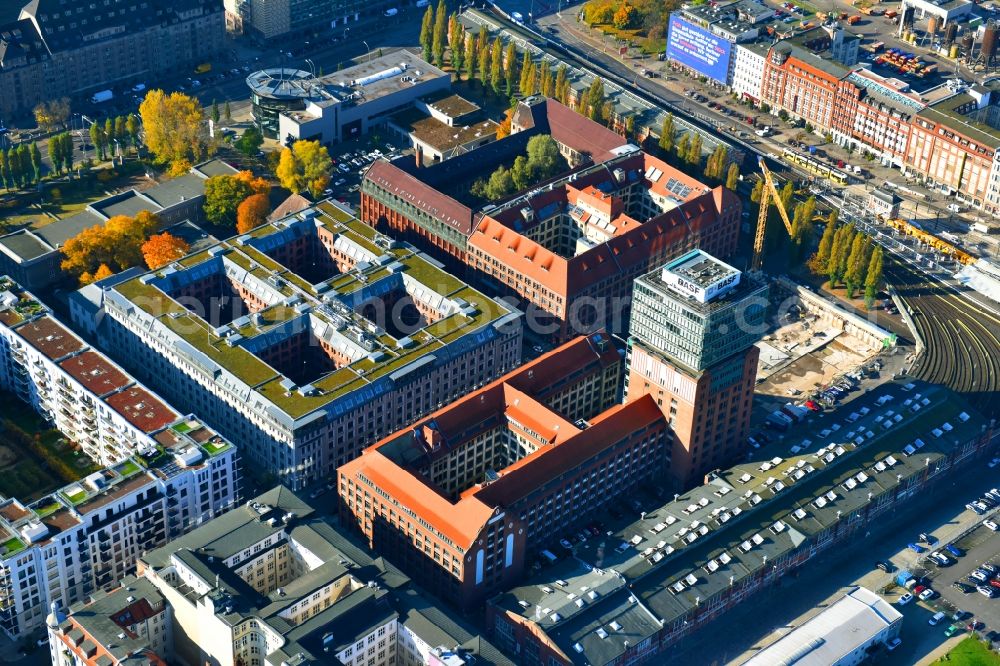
(980,546)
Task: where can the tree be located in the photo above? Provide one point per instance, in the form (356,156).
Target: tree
(305,166)
(715,162)
(545,79)
(503,129)
(99,139)
(163,249)
(802,226)
(250,142)
(496,65)
(732,177)
(593,107)
(821,259)
(224,194)
(227,113)
(24,161)
(851,276)
(544,158)
(681,148)
(55,156)
(440,33)
(427,33)
(630,127)
(132,127)
(458,49)
(523,83)
(109,130)
(36,161)
(469,59)
(757,192)
(174,126)
(561,89)
(499,185)
(4,169)
(668,134)
(216,114)
(873,279)
(252,212)
(625,17)
(121,131)
(842,241)
(52,114)
(510,68)
(693,156)
(103,271)
(115,245)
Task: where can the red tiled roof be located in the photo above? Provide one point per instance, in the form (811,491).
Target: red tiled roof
(142,409)
(49,337)
(580,133)
(421,195)
(95,372)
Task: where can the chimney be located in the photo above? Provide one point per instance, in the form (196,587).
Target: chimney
(418,151)
(432,437)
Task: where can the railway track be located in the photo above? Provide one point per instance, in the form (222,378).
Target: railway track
(961,338)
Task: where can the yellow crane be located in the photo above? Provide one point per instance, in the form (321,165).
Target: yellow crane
(768,193)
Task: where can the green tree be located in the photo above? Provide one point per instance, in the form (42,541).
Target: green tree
(757,192)
(520,173)
(66,150)
(132,127)
(496,66)
(733,177)
(802,225)
(630,127)
(4,169)
(562,85)
(216,114)
(250,142)
(593,107)
(510,69)
(55,156)
(227,113)
(842,240)
(668,134)
(440,34)
(223,195)
(98,138)
(109,130)
(458,49)
(36,161)
(485,67)
(121,132)
(24,165)
(522,83)
(469,59)
(427,34)
(873,278)
(305,166)
(681,147)
(854,260)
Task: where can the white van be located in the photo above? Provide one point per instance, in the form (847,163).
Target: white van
(390,12)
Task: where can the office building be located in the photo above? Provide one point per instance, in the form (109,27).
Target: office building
(309,338)
(266,20)
(665,573)
(845,633)
(461,497)
(60,49)
(691,338)
(290,104)
(567,252)
(33,256)
(266,584)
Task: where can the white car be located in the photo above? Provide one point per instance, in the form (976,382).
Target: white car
(936,618)
(954,208)
(927,594)
(993,526)
(905,599)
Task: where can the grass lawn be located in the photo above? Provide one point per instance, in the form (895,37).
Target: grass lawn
(12,545)
(127,468)
(970,652)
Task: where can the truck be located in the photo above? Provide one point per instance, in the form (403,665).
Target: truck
(983,228)
(854,19)
(203,67)
(101,96)
(139,87)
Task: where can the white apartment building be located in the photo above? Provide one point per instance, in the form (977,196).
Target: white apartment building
(272,583)
(161,472)
(748,70)
(308,364)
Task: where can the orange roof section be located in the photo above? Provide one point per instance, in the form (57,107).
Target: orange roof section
(95,372)
(514,396)
(49,337)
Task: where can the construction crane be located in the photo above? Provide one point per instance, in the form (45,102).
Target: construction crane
(768,193)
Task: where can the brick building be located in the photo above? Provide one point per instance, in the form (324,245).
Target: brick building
(462,497)
(875,113)
(691,347)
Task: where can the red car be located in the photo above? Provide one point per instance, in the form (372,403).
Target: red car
(812,406)
(918,589)
(995,583)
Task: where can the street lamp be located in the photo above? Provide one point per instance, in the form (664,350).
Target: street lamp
(369,50)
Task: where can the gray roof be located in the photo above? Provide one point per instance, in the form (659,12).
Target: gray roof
(128,204)
(106,614)
(175,190)
(687,551)
(214,167)
(57,233)
(25,245)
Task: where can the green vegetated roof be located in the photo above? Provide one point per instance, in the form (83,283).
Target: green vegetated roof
(266,380)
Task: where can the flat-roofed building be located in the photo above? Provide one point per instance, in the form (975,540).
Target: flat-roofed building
(309,338)
(460,498)
(845,633)
(269,583)
(684,563)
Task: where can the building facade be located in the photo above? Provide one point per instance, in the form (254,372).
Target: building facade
(748,70)
(309,339)
(265,584)
(57,49)
(691,347)
(461,498)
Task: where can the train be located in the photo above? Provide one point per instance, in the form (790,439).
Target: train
(814,166)
(929,239)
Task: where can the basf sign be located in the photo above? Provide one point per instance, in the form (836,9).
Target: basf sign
(698,49)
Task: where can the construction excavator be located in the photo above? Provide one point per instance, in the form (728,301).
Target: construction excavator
(768,194)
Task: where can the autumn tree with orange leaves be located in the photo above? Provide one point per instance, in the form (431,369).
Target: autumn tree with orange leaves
(224,194)
(161,249)
(174,127)
(252,212)
(103,250)
(305,166)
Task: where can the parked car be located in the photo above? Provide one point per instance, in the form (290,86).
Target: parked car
(928,538)
(954,550)
(964,587)
(987,591)
(991,525)
(936,619)
(885,566)
(905,599)
(915,548)
(893,644)
(952,630)
(927,594)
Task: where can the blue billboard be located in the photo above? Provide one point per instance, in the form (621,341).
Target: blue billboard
(698,49)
